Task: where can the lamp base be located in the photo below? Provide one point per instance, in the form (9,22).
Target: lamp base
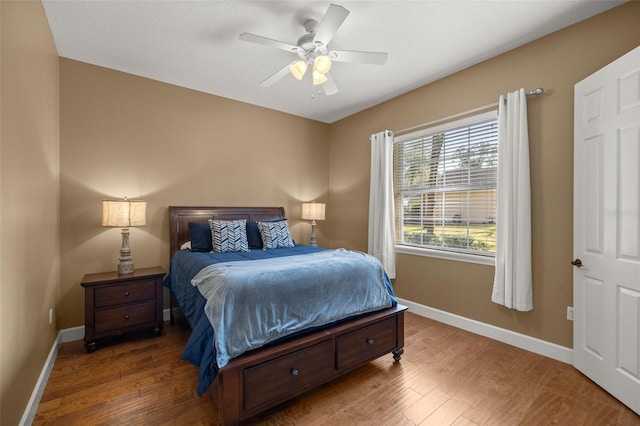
(126,264)
(314,239)
(125,267)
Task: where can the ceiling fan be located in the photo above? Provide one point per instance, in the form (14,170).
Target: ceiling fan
(313,50)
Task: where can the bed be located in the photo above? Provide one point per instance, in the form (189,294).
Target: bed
(263,377)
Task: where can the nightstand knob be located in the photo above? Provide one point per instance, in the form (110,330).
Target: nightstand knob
(295,371)
(126,293)
(126,317)
(369,341)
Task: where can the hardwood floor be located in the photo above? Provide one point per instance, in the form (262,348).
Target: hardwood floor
(447,376)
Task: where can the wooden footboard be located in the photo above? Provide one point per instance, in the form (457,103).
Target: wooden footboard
(263,378)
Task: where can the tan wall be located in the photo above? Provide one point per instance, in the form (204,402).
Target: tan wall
(555,62)
(123,135)
(29,201)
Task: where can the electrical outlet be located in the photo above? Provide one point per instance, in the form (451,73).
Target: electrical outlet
(570,313)
(50,316)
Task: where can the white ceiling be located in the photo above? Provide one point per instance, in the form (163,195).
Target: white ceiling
(195,44)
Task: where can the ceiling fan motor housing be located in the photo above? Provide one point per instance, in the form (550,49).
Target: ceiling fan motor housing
(308,49)
(306,42)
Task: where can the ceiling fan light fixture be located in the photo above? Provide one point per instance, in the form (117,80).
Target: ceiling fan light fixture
(298,69)
(318,78)
(322,64)
(312,50)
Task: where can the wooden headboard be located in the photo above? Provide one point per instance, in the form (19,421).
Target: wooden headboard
(179,218)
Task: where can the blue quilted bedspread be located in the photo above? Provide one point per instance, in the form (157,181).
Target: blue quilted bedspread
(254,303)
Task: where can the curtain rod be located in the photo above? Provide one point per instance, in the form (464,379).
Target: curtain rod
(536,92)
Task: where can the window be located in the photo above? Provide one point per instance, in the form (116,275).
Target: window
(445,187)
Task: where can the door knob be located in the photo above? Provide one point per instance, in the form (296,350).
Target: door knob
(577,263)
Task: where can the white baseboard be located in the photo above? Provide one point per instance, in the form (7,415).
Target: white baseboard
(67,335)
(71,334)
(32,406)
(522,341)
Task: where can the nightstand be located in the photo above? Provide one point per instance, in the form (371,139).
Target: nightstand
(115,304)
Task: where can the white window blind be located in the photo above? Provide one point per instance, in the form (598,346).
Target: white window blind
(445,186)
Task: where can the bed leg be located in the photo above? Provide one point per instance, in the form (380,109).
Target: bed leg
(397,354)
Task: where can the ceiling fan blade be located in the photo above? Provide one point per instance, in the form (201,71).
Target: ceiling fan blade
(373,58)
(332,20)
(269,81)
(268,42)
(329,87)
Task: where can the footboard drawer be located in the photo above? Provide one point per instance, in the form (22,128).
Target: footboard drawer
(366,344)
(288,375)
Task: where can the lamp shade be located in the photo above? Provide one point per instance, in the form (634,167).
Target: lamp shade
(318,78)
(313,211)
(298,69)
(124,213)
(322,64)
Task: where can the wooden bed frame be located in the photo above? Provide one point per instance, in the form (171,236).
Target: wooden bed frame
(265,377)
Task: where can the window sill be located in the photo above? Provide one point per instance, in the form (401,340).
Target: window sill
(448,255)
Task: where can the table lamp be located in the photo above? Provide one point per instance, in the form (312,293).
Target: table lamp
(124,214)
(313,211)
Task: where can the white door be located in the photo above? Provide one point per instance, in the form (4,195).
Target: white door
(606,214)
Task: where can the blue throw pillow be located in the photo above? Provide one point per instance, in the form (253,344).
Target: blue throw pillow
(253,236)
(200,237)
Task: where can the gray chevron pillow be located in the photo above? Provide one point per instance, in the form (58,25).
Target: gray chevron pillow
(229,235)
(275,234)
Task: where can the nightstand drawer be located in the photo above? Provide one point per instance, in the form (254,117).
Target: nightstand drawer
(124,293)
(366,344)
(273,380)
(126,316)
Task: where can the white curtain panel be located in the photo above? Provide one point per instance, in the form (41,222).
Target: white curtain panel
(512,283)
(381,216)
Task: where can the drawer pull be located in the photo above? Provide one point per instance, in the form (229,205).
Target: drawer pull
(369,341)
(295,371)
(126,317)
(126,293)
